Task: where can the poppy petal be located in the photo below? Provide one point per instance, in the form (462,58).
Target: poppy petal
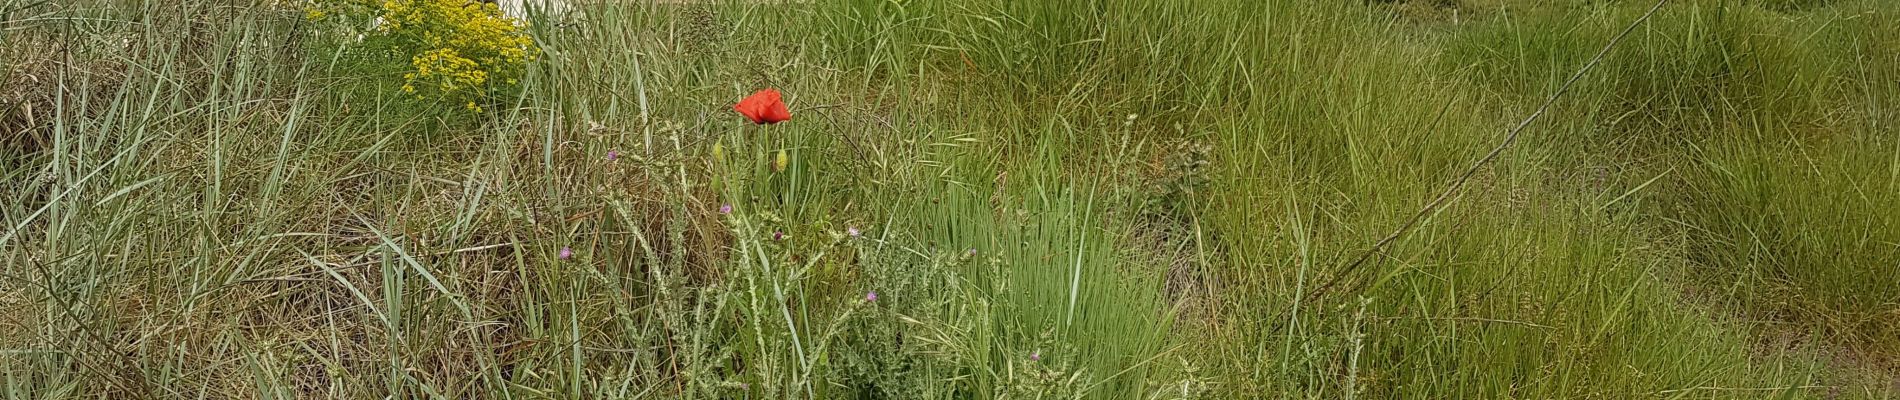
(764,107)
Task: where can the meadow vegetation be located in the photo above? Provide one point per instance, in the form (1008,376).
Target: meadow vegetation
(1102,199)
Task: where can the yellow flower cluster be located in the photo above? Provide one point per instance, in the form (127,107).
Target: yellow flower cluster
(458,49)
(458,52)
(449,71)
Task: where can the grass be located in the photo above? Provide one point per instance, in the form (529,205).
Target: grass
(1106,199)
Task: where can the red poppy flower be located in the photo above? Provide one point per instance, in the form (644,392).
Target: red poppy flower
(764,107)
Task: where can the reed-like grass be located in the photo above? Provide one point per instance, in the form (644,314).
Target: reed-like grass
(1103,199)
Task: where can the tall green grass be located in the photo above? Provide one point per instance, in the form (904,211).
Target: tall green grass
(1098,199)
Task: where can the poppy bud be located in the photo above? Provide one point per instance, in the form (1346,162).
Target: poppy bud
(719,152)
(779,162)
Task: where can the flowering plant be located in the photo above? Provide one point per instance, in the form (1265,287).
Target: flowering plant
(456,51)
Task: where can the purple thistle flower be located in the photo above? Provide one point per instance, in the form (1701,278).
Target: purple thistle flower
(725,209)
(1035,356)
(613,155)
(566,253)
(870,297)
(853,231)
(778,235)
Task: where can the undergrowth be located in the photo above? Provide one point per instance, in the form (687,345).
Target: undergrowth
(975,199)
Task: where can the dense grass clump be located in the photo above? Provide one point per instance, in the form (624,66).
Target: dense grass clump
(1106,199)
